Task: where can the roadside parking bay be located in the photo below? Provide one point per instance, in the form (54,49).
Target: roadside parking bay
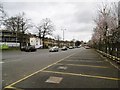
(84,70)
(76,71)
(87,62)
(68,81)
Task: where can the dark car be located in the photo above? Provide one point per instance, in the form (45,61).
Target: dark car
(22,48)
(28,48)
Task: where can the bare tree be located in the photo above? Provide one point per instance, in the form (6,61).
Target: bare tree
(2,14)
(18,24)
(57,38)
(45,28)
(105,32)
(39,30)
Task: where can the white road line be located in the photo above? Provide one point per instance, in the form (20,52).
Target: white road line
(114,65)
(2,62)
(13,60)
(85,60)
(110,62)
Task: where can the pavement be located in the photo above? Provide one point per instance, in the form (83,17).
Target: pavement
(83,69)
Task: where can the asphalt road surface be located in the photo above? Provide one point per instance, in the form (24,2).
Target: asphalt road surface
(74,68)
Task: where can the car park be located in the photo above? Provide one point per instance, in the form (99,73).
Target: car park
(54,49)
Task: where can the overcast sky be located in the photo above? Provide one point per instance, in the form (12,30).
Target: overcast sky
(75,17)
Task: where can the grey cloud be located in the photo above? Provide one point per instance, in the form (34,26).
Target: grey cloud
(75,17)
(85,13)
(81,27)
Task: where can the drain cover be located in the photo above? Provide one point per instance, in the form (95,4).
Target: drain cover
(53,79)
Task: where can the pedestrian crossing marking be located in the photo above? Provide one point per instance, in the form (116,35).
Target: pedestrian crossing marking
(83,75)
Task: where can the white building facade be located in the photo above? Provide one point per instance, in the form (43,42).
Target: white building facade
(36,41)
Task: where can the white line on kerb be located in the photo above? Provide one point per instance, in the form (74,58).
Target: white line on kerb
(1,62)
(109,62)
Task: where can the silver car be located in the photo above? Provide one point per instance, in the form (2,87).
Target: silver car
(54,49)
(64,48)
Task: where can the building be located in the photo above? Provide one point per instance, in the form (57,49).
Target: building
(9,38)
(36,41)
(49,42)
(13,39)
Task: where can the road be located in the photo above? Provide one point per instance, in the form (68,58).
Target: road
(74,68)
(17,64)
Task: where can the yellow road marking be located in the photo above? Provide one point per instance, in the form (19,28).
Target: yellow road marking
(84,75)
(10,86)
(86,65)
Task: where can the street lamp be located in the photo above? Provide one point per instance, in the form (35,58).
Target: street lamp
(63,33)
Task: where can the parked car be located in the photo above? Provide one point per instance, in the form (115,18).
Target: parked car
(78,46)
(28,48)
(38,46)
(71,47)
(87,47)
(54,49)
(64,48)
(22,48)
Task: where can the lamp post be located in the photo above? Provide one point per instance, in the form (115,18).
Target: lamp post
(63,34)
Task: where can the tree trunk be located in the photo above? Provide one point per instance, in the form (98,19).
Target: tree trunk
(43,39)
